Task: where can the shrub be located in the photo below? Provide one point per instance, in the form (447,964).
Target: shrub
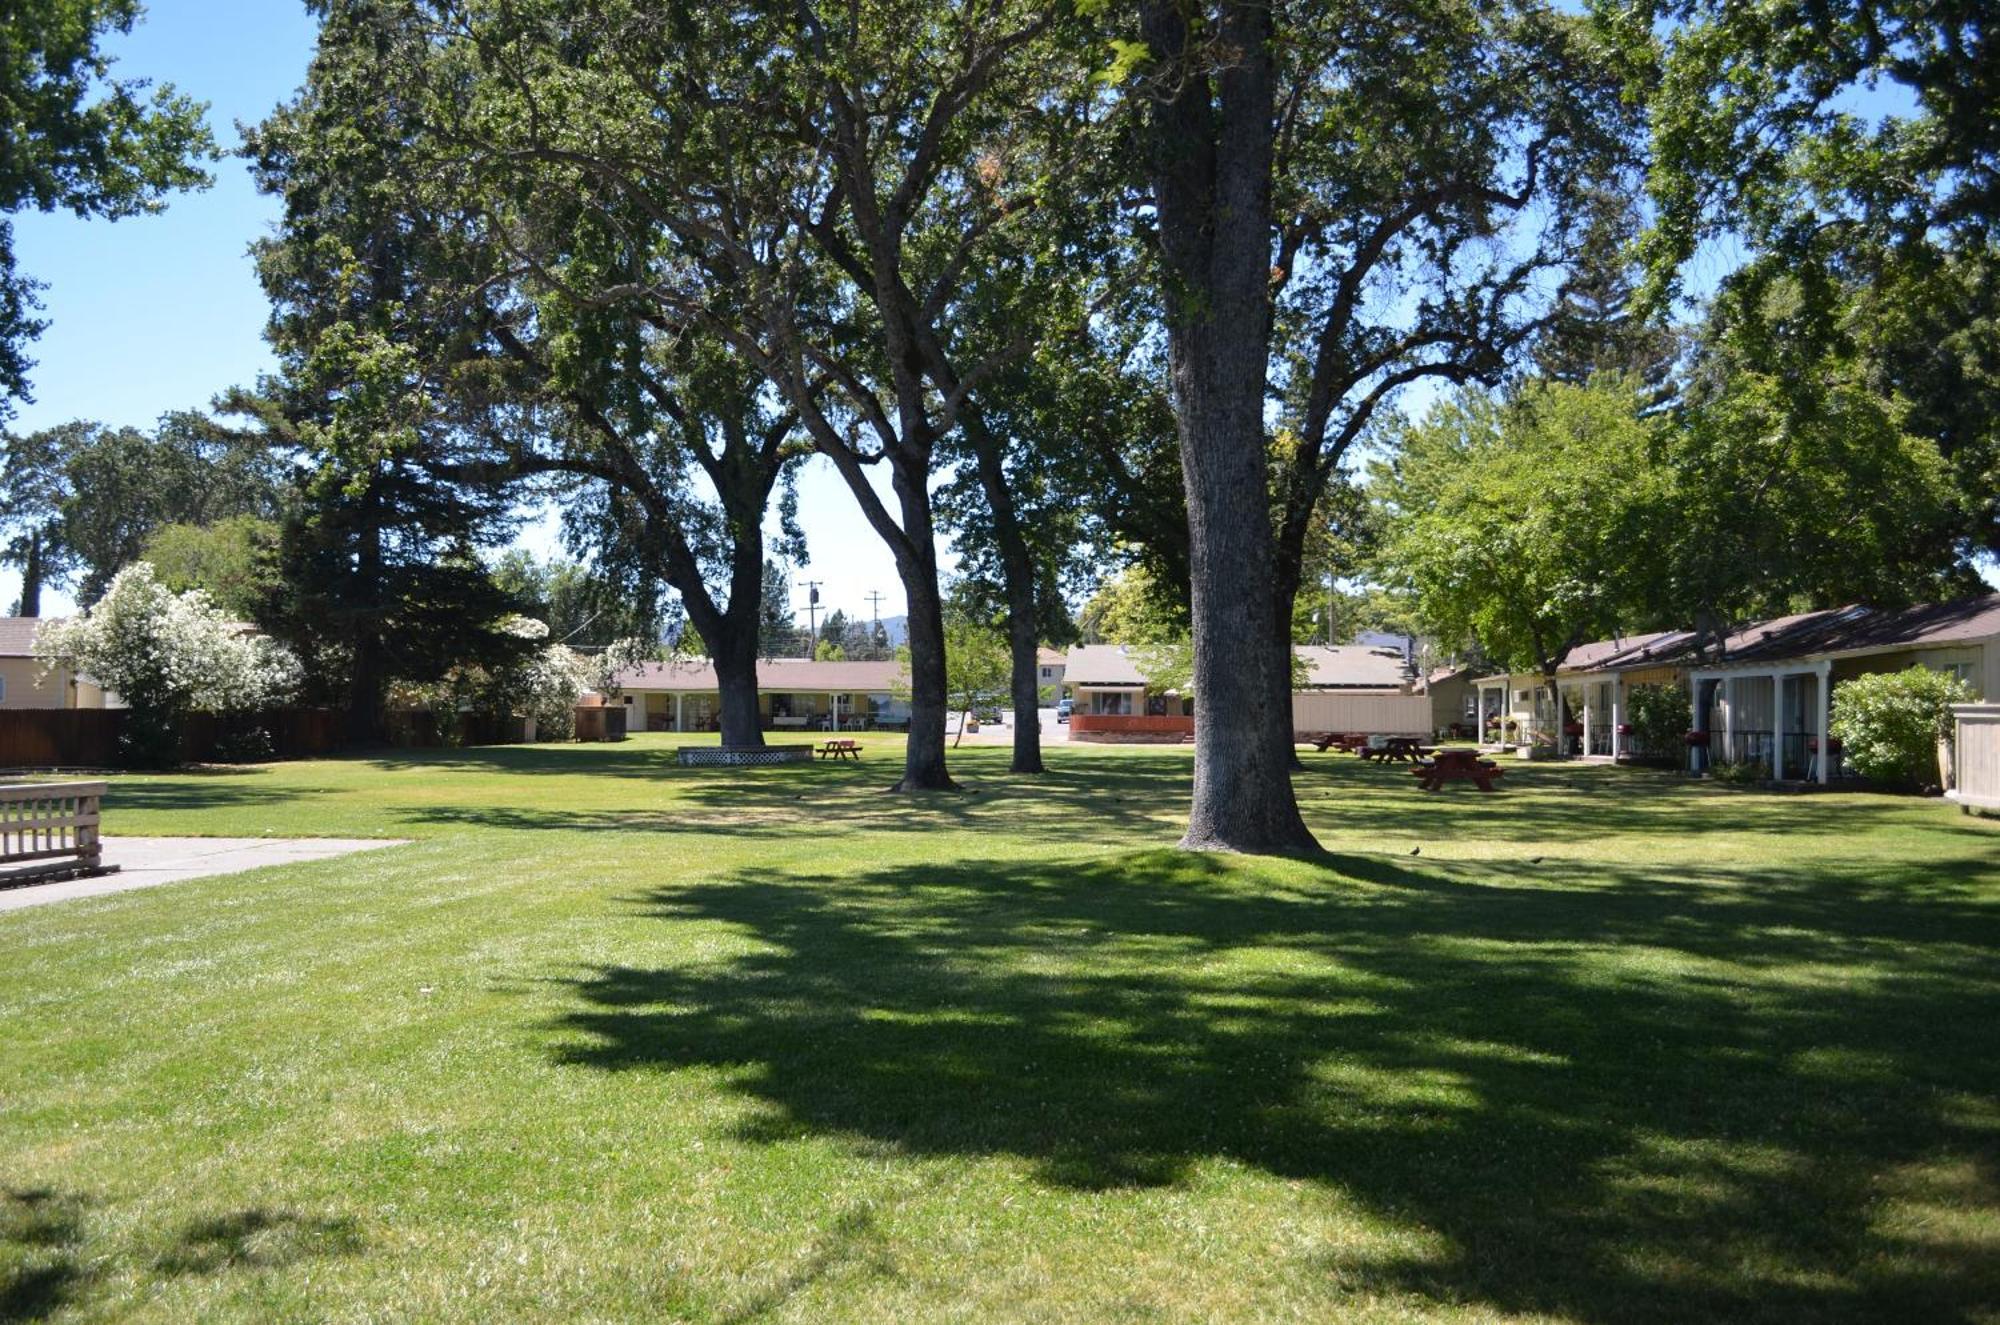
(1742,774)
(166,654)
(1660,715)
(1890,723)
(246,747)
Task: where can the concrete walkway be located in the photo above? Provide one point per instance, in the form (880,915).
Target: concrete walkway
(147,861)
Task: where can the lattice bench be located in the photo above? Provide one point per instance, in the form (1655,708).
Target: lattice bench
(48,831)
(742,756)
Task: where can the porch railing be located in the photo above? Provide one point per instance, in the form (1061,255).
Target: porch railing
(1740,747)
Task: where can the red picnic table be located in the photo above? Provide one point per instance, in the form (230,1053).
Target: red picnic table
(1457,766)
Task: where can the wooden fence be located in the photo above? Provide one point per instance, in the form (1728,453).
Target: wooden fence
(60,738)
(1976,756)
(1372,713)
(89,738)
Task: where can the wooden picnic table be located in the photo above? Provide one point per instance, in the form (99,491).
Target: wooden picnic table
(841,750)
(1457,766)
(1395,748)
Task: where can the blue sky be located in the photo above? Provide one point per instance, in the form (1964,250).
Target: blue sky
(163,312)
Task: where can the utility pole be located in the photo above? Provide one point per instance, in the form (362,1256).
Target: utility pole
(874,597)
(812,614)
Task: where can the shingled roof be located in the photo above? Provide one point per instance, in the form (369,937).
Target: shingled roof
(1850,629)
(17,635)
(779,674)
(1343,667)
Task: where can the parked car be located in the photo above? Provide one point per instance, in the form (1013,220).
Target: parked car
(1063,707)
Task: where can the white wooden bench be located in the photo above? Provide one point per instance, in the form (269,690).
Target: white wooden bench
(48,830)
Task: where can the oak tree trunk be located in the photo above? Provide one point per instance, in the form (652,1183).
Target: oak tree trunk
(1017,571)
(1212,144)
(916,565)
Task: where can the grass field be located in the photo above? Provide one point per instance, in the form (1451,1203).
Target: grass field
(612,1040)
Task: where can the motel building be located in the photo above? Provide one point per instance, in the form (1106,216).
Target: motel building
(1348,688)
(1763,696)
(793,694)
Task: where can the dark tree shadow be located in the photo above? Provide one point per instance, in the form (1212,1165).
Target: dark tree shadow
(1477,1050)
(40,1233)
(259,1239)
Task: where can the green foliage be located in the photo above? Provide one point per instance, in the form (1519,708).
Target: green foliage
(85,499)
(1769,128)
(1133,608)
(580,607)
(1167,665)
(79,139)
(1522,525)
(234,561)
(1795,478)
(1660,716)
(977,667)
(1890,723)
(778,635)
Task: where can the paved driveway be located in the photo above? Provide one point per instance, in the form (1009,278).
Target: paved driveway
(146,861)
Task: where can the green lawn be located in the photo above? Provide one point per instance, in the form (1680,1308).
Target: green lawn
(611,1040)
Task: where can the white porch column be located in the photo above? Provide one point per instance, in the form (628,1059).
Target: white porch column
(1729,715)
(1617,715)
(1823,706)
(1589,692)
(677,713)
(1778,726)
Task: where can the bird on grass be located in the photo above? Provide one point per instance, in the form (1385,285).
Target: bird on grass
(1416,851)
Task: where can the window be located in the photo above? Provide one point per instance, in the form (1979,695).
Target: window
(3,690)
(1117,703)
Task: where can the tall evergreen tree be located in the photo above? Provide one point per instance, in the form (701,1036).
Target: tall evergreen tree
(383,551)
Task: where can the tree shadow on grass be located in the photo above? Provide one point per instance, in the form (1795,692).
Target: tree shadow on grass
(1668,1099)
(258,1239)
(41,1270)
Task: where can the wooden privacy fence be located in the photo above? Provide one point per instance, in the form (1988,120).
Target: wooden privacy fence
(50,828)
(88,738)
(1976,756)
(60,738)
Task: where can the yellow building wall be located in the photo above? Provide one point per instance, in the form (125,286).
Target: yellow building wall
(25,688)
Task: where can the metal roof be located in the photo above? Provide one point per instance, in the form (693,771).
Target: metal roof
(777,674)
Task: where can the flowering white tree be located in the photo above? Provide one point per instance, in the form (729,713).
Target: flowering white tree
(167,654)
(545,685)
